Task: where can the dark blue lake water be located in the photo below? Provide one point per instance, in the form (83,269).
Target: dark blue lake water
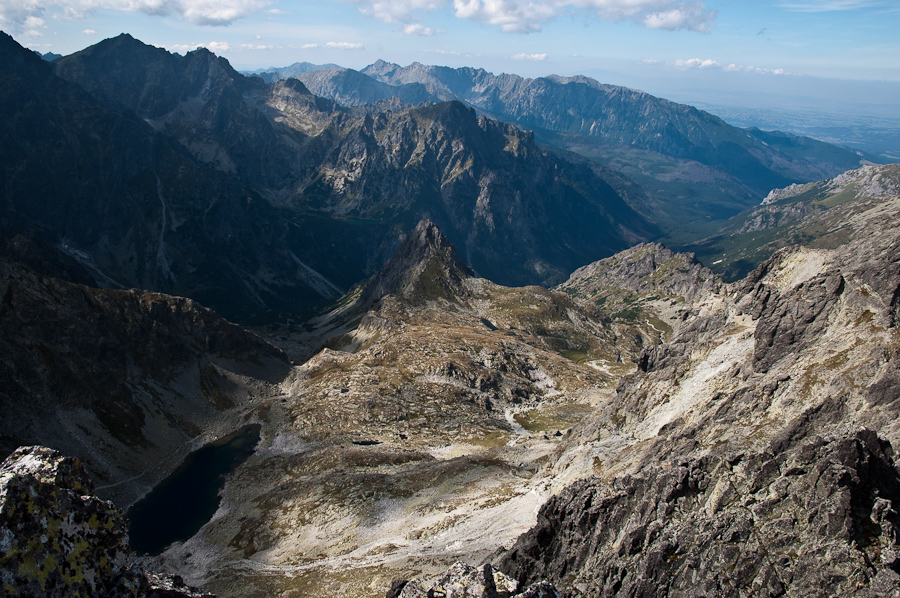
(186,500)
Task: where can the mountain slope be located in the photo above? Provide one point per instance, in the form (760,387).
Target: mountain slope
(131,204)
(198,99)
(620,116)
(695,166)
(340,187)
(760,429)
(411,439)
(123,379)
(518,214)
(824,214)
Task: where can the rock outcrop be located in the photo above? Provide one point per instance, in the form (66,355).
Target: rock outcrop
(121,379)
(809,516)
(60,541)
(425,267)
(465,581)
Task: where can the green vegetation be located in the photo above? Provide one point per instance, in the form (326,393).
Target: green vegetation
(553,417)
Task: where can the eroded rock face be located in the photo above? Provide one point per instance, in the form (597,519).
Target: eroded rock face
(808,516)
(58,540)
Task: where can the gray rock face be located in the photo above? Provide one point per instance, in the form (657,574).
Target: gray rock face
(808,516)
(466,581)
(58,540)
(642,270)
(89,371)
(791,321)
(425,266)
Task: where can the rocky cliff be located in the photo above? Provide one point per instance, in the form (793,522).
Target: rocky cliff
(808,516)
(123,379)
(732,462)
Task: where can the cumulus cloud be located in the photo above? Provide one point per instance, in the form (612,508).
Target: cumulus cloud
(419,29)
(397,11)
(214,47)
(526,16)
(698,63)
(89,32)
(529,57)
(344,46)
(15,13)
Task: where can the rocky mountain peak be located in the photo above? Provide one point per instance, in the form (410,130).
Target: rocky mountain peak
(297,86)
(425,267)
(647,269)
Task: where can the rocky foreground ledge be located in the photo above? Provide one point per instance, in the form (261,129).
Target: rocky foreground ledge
(466,581)
(808,516)
(59,540)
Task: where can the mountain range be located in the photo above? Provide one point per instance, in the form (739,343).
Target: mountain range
(695,165)
(182,145)
(636,425)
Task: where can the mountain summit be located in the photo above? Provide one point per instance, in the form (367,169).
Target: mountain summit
(425,267)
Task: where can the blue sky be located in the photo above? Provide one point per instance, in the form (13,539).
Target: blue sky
(755,42)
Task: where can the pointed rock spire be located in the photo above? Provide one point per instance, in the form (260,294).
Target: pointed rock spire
(425,267)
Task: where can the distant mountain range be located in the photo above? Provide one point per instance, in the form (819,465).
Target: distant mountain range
(693,163)
(179,174)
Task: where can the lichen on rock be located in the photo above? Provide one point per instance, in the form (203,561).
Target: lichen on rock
(58,540)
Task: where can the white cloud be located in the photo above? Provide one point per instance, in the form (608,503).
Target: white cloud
(695,63)
(214,47)
(344,46)
(698,63)
(14,14)
(397,11)
(525,16)
(309,46)
(34,33)
(835,5)
(418,29)
(255,47)
(218,47)
(89,32)
(529,57)
(691,15)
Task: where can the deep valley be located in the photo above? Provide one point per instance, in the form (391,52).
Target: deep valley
(586,341)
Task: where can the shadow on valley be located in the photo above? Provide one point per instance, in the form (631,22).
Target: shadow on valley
(185,501)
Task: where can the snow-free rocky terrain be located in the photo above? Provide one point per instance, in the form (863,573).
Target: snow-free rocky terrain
(748,453)
(643,430)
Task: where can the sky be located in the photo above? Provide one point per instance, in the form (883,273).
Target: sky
(739,46)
